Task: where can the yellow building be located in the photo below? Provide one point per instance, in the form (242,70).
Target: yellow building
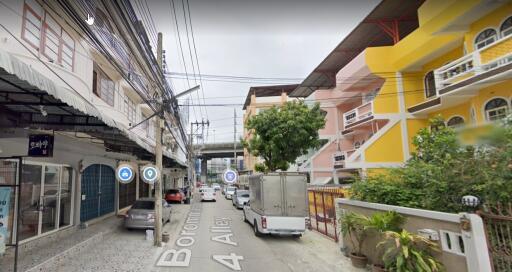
(258,99)
(406,62)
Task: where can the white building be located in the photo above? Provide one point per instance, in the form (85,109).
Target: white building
(87,86)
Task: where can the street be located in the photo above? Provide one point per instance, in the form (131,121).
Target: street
(217,238)
(223,242)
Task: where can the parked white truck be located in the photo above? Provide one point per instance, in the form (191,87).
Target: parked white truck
(278,203)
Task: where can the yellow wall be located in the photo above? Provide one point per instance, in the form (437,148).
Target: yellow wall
(388,148)
(493,19)
(503,89)
(413,126)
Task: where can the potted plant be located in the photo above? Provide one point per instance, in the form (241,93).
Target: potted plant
(409,252)
(379,223)
(354,225)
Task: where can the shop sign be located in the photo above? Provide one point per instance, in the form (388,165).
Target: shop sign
(5,195)
(125,173)
(40,145)
(230,176)
(150,174)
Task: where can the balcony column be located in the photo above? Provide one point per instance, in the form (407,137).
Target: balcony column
(403,116)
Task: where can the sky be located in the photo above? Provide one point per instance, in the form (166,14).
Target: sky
(258,39)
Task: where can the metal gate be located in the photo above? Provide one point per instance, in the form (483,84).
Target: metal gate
(322,209)
(98,192)
(498,230)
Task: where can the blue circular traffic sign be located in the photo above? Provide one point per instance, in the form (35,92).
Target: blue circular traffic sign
(125,173)
(230,176)
(150,174)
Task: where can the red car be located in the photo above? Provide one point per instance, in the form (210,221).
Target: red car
(174,195)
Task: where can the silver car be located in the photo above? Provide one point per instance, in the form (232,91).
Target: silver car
(229,192)
(142,214)
(240,198)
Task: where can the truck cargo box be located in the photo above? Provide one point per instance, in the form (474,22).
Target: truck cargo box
(279,194)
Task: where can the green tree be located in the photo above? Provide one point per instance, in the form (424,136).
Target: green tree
(281,134)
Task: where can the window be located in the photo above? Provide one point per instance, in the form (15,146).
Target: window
(430,85)
(129,109)
(32,23)
(45,34)
(144,125)
(506,27)
(496,109)
(151,129)
(485,38)
(357,145)
(455,122)
(103,86)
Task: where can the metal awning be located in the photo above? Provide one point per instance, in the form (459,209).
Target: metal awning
(268,91)
(31,100)
(387,22)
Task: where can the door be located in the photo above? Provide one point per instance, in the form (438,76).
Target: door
(295,195)
(49,198)
(107,190)
(98,192)
(272,195)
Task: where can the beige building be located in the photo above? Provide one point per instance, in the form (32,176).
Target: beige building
(258,99)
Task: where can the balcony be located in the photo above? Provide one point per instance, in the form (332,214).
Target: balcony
(490,57)
(352,117)
(340,157)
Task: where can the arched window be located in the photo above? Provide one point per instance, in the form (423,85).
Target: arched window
(496,109)
(485,37)
(506,27)
(455,122)
(430,84)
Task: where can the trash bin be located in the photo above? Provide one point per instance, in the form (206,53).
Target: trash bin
(149,235)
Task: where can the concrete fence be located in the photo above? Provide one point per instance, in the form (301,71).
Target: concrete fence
(461,237)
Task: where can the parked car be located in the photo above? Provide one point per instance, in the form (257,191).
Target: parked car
(216,186)
(142,214)
(230,190)
(240,198)
(174,195)
(208,194)
(202,188)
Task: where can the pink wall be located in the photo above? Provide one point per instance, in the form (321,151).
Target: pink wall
(324,158)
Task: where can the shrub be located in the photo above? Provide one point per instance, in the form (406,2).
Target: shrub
(442,170)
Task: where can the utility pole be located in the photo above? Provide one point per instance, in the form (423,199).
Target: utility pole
(158,155)
(234,138)
(192,124)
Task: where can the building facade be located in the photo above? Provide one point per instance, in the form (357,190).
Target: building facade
(428,58)
(258,99)
(87,86)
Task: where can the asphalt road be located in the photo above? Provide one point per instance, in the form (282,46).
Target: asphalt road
(205,237)
(213,237)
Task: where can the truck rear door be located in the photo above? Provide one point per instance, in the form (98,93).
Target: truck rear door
(295,191)
(272,195)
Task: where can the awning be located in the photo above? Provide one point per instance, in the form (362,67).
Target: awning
(321,181)
(37,102)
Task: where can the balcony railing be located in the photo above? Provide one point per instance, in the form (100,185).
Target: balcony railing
(480,61)
(357,114)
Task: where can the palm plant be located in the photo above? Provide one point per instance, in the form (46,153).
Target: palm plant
(381,222)
(409,252)
(354,225)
